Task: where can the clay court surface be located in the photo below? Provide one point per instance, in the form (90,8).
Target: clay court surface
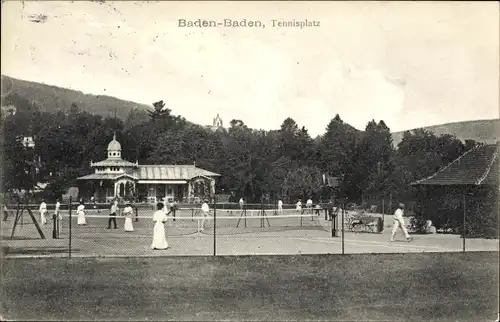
(278,236)
(114,275)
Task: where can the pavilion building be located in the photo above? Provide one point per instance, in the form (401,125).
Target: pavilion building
(119,178)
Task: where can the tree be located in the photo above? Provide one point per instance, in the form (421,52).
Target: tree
(303,182)
(159,111)
(336,151)
(372,160)
(18,167)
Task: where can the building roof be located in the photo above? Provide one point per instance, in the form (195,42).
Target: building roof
(155,173)
(478,166)
(116,162)
(172,172)
(114,145)
(105,176)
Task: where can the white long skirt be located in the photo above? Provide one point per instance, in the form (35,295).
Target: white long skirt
(81,218)
(128,226)
(159,240)
(43,219)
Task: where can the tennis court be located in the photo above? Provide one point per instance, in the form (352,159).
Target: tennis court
(236,233)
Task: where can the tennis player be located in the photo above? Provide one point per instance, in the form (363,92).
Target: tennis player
(57,215)
(280,206)
(81,214)
(5,213)
(127,212)
(43,211)
(298,205)
(205,209)
(309,205)
(57,210)
(399,221)
(241,203)
(159,218)
(112,214)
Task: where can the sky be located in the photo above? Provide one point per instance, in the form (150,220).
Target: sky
(410,64)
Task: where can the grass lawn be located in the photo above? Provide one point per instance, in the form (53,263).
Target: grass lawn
(431,286)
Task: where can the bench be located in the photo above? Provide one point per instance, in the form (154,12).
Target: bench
(363,223)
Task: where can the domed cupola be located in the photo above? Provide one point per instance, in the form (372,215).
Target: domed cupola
(114,149)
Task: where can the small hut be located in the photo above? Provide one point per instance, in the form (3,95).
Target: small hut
(463,196)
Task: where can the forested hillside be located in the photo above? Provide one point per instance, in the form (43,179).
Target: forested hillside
(55,99)
(486,131)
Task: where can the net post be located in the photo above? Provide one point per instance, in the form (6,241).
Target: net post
(245,214)
(136,214)
(261,212)
(69,227)
(54,229)
(26,202)
(215,226)
(334,224)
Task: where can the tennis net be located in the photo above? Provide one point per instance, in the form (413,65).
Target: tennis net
(192,221)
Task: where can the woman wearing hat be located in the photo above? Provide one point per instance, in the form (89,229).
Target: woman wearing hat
(127,212)
(159,218)
(81,214)
(205,209)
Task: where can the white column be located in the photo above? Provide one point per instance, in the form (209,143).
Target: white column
(116,189)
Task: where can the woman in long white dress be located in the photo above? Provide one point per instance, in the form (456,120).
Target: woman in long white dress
(159,218)
(127,212)
(298,205)
(80,211)
(43,211)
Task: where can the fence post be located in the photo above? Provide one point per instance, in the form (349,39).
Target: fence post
(343,206)
(69,226)
(464,232)
(215,226)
